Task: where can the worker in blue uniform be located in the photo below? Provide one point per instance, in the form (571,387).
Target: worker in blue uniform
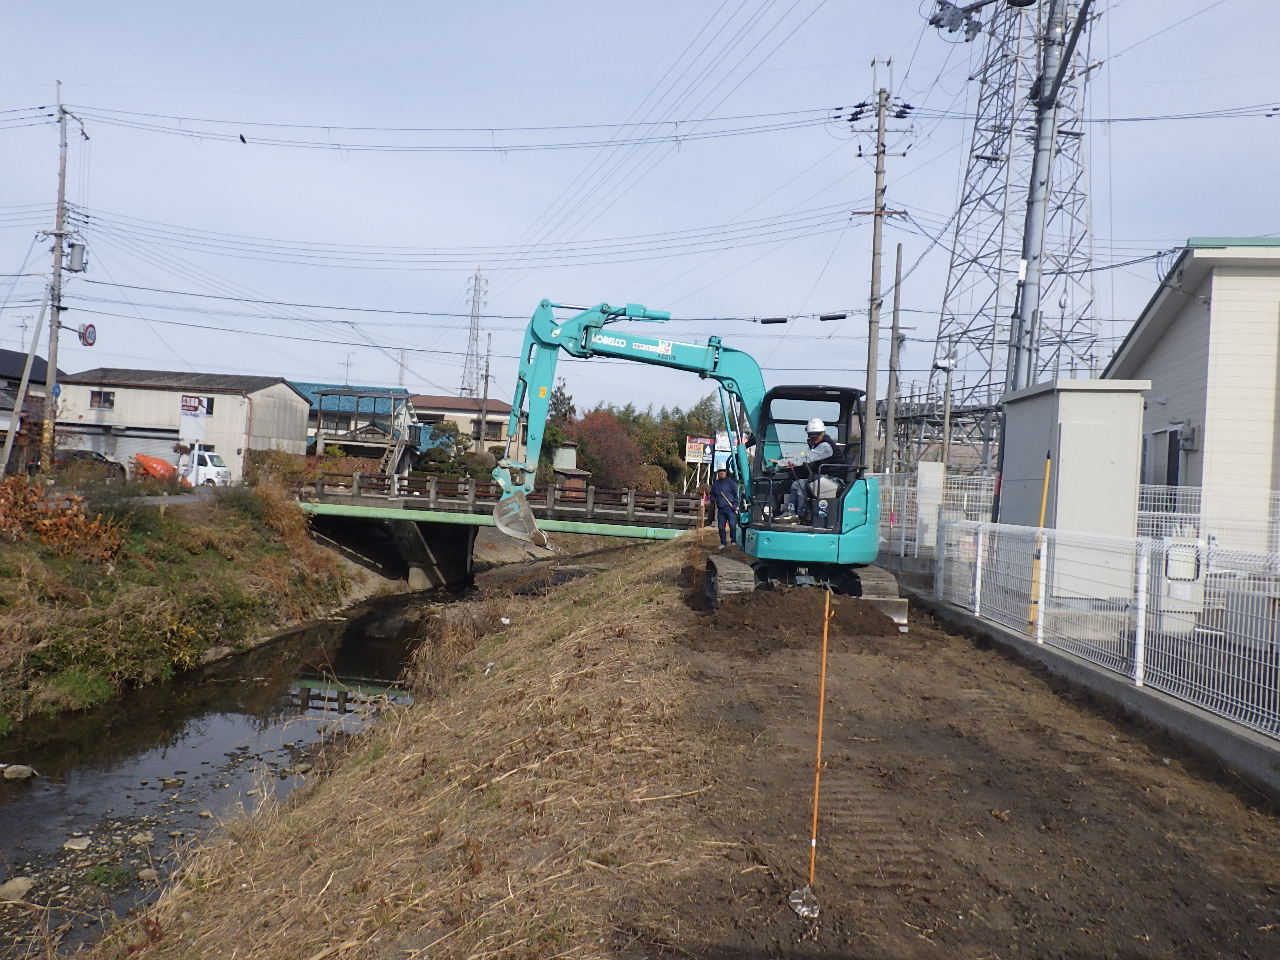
(724,494)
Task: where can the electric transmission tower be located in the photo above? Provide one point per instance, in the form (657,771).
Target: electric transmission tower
(987,267)
(473,366)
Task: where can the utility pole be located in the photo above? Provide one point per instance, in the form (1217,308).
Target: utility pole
(55,296)
(895,352)
(884,103)
(871,441)
(484,402)
(1024,345)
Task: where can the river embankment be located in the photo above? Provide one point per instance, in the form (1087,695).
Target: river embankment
(113,591)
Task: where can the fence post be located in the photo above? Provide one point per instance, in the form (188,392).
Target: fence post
(471,494)
(671,506)
(1140,616)
(902,523)
(551,498)
(591,501)
(1042,547)
(940,563)
(432,491)
(631,504)
(981,550)
(355,484)
(394,488)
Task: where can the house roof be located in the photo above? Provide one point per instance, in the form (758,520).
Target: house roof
(175,380)
(1193,265)
(342,397)
(12,362)
(428,401)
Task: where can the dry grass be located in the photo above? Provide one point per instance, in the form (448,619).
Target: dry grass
(527,810)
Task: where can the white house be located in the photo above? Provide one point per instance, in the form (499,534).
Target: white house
(1209,342)
(120,413)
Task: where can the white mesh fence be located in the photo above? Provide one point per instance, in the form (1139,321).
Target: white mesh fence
(1235,519)
(1199,622)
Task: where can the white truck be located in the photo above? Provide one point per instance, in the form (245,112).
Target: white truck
(203,467)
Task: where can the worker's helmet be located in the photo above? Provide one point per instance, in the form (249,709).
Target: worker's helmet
(815,426)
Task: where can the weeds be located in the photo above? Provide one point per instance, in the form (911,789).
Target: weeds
(74,629)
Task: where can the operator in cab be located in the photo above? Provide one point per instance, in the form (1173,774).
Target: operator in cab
(806,466)
(724,494)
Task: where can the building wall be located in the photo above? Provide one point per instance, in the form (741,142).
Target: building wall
(1177,366)
(1241,422)
(145,420)
(466,422)
(278,420)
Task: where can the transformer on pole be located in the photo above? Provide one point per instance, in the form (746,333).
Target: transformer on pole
(987,264)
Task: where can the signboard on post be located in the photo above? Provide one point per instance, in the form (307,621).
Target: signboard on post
(191,421)
(698,449)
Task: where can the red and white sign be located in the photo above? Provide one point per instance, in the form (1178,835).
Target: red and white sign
(191,423)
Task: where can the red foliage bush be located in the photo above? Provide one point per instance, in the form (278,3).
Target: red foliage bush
(60,522)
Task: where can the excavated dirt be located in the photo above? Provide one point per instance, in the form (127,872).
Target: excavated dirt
(968,810)
(766,621)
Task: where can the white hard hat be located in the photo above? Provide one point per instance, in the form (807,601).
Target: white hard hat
(815,426)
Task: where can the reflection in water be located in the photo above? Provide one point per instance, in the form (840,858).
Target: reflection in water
(158,757)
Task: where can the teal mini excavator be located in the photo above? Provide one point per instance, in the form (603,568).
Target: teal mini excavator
(831,544)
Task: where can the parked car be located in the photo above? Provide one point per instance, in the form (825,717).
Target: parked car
(87,463)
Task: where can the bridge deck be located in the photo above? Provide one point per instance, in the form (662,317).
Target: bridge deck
(618,513)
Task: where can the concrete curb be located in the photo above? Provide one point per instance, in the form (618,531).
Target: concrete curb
(1250,756)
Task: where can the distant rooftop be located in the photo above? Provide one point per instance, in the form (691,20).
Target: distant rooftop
(428,401)
(342,397)
(174,380)
(12,362)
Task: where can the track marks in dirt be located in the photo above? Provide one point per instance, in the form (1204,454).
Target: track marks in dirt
(967,810)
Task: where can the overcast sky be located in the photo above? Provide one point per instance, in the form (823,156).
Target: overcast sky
(743,225)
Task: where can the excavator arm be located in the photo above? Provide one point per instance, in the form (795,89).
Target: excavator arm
(590,334)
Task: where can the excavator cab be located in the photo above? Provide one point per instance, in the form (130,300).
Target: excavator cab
(781,433)
(837,538)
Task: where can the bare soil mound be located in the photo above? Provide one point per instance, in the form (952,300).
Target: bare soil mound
(760,623)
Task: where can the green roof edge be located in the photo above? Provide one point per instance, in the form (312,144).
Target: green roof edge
(1203,242)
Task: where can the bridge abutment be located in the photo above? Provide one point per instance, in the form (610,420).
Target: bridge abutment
(437,554)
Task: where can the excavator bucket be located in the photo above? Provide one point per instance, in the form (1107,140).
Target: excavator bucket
(514,517)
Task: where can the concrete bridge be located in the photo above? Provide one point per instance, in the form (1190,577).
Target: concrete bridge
(433,520)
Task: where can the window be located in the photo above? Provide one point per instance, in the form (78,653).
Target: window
(431,418)
(335,422)
(208,406)
(102,399)
(492,430)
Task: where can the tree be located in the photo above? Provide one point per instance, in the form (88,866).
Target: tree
(560,408)
(606,449)
(560,414)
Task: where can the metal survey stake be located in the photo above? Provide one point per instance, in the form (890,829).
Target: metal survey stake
(804,901)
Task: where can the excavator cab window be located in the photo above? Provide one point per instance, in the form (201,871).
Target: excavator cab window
(784,416)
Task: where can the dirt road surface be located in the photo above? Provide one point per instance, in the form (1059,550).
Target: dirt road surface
(968,809)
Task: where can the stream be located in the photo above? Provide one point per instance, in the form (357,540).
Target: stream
(119,789)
